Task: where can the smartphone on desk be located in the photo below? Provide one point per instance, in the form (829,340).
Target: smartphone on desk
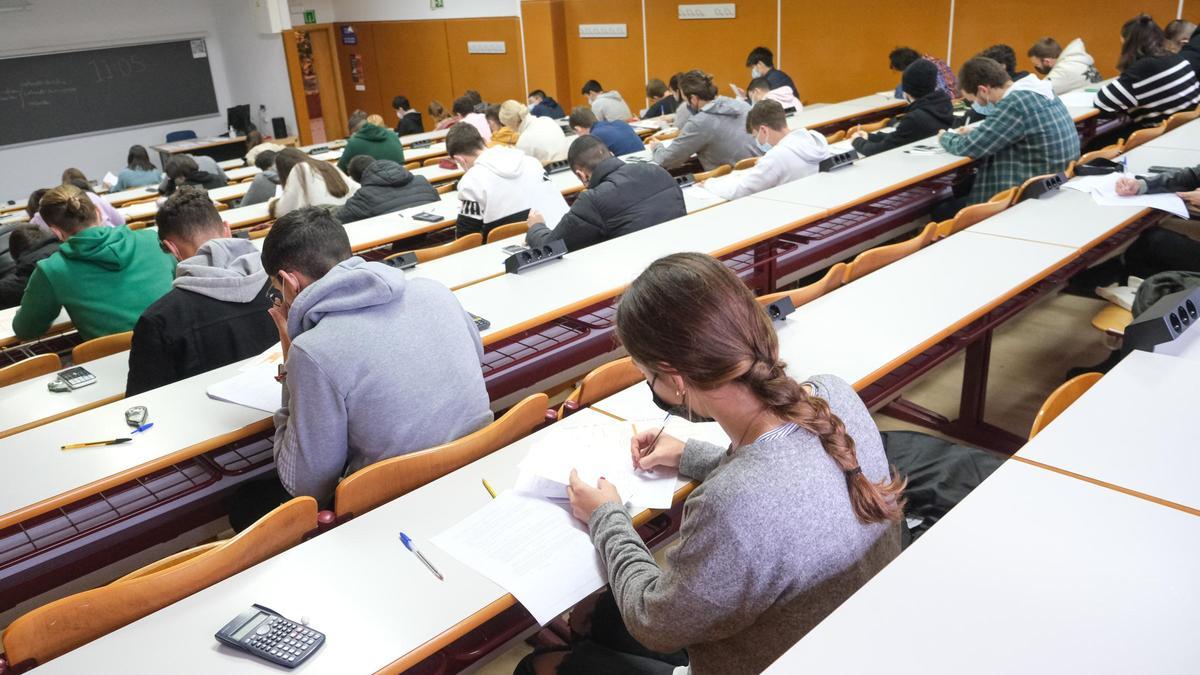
(513,249)
(428,217)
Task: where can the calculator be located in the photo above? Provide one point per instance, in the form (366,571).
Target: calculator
(77,377)
(266,634)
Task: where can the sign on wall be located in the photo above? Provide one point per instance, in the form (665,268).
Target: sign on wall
(496,47)
(603,30)
(349,37)
(719,10)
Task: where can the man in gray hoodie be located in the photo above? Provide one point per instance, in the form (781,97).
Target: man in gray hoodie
(607,106)
(375,365)
(715,132)
(216,311)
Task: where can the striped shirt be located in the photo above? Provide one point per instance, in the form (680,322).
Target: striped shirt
(1151,90)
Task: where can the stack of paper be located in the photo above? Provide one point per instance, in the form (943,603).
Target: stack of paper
(255,385)
(1104,192)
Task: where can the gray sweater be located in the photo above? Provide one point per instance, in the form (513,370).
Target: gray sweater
(769,546)
(379,366)
(716,135)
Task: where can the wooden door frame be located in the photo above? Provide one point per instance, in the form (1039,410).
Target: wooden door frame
(318,31)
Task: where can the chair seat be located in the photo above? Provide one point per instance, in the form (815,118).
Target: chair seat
(1112,320)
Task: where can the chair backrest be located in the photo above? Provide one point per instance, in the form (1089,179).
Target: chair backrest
(666,134)
(434,252)
(1061,399)
(260,232)
(969,215)
(412,165)
(833,278)
(1005,196)
(57,628)
(34,366)
(430,161)
(384,481)
(747,163)
(719,171)
(868,128)
(509,230)
(836,136)
(873,259)
(1110,152)
(446,187)
(602,382)
(102,346)
(1029,183)
(1179,119)
(1143,136)
(182,135)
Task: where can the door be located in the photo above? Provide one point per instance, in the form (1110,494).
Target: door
(316,84)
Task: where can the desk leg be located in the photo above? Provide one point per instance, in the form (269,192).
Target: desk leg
(971,425)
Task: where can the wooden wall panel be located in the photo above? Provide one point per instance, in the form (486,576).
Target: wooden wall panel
(857,64)
(544,22)
(617,63)
(414,62)
(716,46)
(372,99)
(496,76)
(978,24)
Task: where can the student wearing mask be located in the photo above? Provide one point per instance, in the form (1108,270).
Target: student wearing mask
(929,111)
(216,311)
(408,118)
(1004,55)
(184,170)
(138,170)
(309,182)
(1065,69)
(464,109)
(761,63)
(541,105)
(620,198)
(1177,33)
(760,89)
(662,100)
(1154,83)
(789,155)
(28,244)
(620,138)
(384,187)
(203,163)
(734,594)
(501,134)
(369,137)
(539,137)
(105,277)
(715,133)
(900,58)
(500,185)
(265,184)
(608,106)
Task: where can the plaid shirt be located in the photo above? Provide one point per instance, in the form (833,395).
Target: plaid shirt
(1027,135)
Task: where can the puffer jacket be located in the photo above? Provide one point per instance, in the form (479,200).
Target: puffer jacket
(923,118)
(386,187)
(716,134)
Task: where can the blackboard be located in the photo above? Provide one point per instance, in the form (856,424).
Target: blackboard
(68,93)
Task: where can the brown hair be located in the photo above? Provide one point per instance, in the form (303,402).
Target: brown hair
(1140,37)
(68,208)
(691,313)
(71,174)
(766,112)
(288,158)
(697,83)
(437,111)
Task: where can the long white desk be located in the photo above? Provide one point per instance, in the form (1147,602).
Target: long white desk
(13,205)
(1033,572)
(242,173)
(125,196)
(435,135)
(27,404)
(245,216)
(1186,137)
(147,210)
(822,115)
(8,337)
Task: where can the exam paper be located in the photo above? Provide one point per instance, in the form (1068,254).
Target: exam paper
(1078,99)
(695,197)
(531,548)
(1104,192)
(254,388)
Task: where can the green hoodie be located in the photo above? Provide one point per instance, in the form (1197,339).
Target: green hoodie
(104,276)
(375,141)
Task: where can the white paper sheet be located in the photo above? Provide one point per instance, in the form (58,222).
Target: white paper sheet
(1104,192)
(696,197)
(531,548)
(1078,99)
(109,179)
(273,356)
(254,388)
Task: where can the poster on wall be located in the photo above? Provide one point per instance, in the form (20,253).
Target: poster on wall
(357,76)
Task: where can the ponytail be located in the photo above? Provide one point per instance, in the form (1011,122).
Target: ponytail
(697,83)
(68,208)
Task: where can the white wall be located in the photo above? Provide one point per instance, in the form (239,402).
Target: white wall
(396,10)
(247,68)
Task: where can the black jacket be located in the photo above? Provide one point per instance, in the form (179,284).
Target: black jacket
(203,179)
(1191,52)
(621,198)
(664,106)
(12,286)
(1179,180)
(386,187)
(410,124)
(184,334)
(922,119)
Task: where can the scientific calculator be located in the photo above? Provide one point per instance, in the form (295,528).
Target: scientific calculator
(268,635)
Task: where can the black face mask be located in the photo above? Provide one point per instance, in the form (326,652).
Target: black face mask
(676,409)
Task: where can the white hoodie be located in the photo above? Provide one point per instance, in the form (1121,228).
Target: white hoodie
(542,139)
(504,181)
(1074,69)
(306,187)
(1042,88)
(784,97)
(795,157)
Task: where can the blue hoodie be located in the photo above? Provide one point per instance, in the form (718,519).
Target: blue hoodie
(379,366)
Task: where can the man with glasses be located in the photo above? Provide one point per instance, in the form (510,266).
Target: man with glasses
(216,311)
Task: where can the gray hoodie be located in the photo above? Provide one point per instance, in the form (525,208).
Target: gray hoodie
(261,189)
(716,135)
(609,107)
(379,366)
(223,269)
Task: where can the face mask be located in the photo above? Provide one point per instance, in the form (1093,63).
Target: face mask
(984,109)
(677,409)
(762,145)
(754,72)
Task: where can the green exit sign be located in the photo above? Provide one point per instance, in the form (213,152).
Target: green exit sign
(310,16)
(437,4)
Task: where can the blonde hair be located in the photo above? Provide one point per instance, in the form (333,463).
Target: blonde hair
(512,113)
(375,119)
(68,208)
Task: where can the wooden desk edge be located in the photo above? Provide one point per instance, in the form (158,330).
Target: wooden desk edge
(56,329)
(62,415)
(1111,486)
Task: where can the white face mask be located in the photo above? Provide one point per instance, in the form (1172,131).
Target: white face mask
(754,72)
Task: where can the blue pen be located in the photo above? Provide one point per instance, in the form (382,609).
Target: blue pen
(408,544)
(142,428)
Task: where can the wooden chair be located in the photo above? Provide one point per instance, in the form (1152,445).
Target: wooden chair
(100,347)
(837,136)
(867,128)
(602,382)
(1179,119)
(833,278)
(446,187)
(1142,136)
(260,233)
(722,170)
(1110,152)
(1020,193)
(430,161)
(666,134)
(509,230)
(1005,196)
(434,252)
(384,481)
(1061,399)
(873,259)
(747,163)
(34,366)
(57,628)
(969,215)
(412,165)
(1112,321)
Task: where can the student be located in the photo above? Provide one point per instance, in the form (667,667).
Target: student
(1160,249)
(620,138)
(715,133)
(541,105)
(266,184)
(790,155)
(539,137)
(787,522)
(1191,52)
(500,185)
(1028,133)
(1154,83)
(309,182)
(375,365)
(373,139)
(464,108)
(1065,69)
(8,263)
(203,163)
(501,134)
(384,187)
(441,118)
(27,244)
(71,175)
(110,216)
(104,276)
(900,58)
(216,311)
(760,89)
(620,198)
(408,118)
(183,170)
(761,63)
(682,111)
(1005,56)
(1177,33)
(138,170)
(607,105)
(477,103)
(255,146)
(662,100)
(929,111)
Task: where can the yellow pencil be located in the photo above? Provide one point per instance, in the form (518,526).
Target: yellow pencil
(487,486)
